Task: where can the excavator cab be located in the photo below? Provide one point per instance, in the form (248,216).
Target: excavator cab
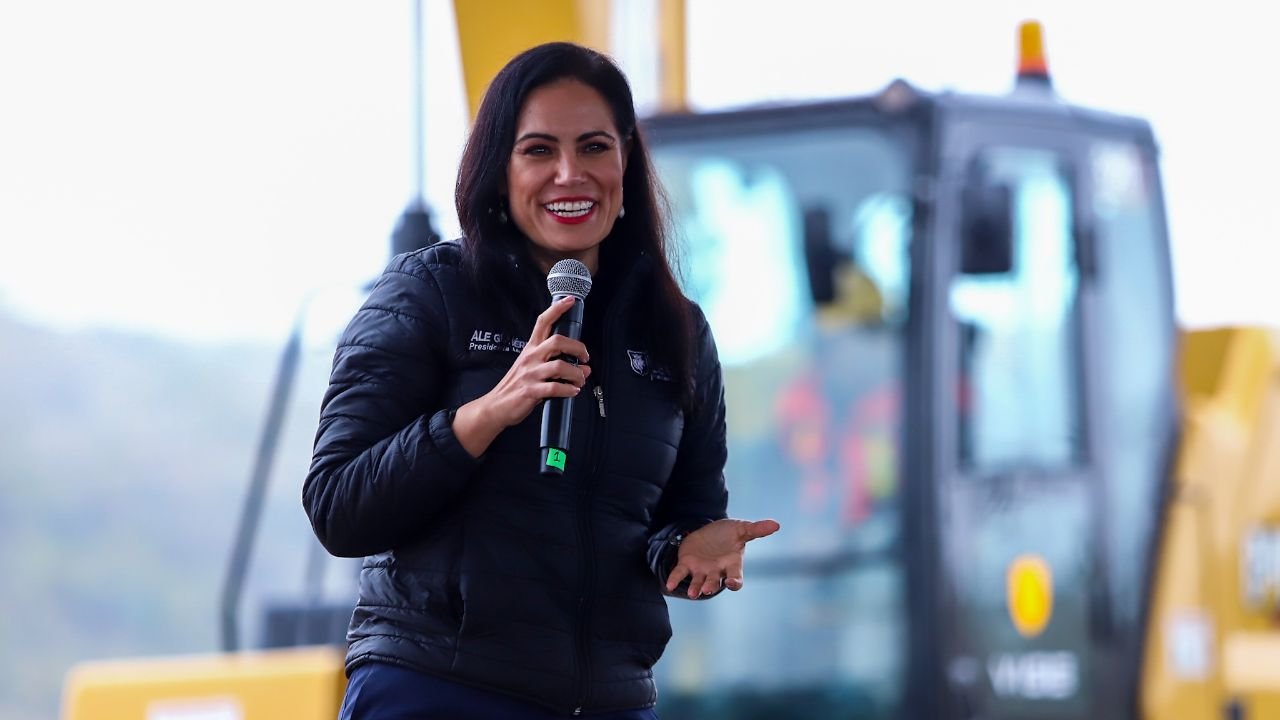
(947,331)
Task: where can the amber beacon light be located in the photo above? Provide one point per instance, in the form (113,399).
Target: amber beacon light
(1032,63)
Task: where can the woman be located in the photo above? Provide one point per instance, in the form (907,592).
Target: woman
(488,590)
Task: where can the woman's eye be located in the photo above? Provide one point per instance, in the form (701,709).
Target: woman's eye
(537,150)
(596,147)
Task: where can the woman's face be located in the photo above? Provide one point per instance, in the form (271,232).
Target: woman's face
(564,178)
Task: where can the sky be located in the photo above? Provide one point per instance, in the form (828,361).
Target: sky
(204,169)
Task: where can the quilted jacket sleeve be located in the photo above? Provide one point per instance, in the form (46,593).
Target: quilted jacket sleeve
(385,459)
(696,493)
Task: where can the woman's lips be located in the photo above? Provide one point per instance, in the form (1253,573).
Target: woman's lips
(577,216)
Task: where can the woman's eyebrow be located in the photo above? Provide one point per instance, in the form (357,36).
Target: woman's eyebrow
(537,136)
(548,136)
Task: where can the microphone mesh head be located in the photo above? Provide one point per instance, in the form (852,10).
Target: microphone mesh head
(569,277)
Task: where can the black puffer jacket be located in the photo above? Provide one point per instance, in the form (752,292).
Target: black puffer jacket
(484,571)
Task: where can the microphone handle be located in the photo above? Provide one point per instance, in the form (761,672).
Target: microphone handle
(557,413)
(570,323)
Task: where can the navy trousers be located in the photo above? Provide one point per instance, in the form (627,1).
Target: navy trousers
(380,691)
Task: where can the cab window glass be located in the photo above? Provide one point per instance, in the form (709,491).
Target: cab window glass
(1134,298)
(1020,353)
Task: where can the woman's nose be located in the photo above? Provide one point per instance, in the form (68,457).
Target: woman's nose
(569,170)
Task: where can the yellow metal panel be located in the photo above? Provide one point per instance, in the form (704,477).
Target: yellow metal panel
(1179,677)
(491,32)
(1250,662)
(299,684)
(1227,487)
(672,56)
(593,24)
(1203,354)
(1230,366)
(1252,669)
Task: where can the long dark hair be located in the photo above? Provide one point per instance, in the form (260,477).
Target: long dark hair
(495,253)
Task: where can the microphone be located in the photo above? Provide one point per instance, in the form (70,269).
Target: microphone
(572,279)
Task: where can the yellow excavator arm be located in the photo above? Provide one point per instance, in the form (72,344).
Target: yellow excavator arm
(491,32)
(1213,640)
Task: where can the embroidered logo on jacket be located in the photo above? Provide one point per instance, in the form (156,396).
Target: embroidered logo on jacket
(488,340)
(639,362)
(641,366)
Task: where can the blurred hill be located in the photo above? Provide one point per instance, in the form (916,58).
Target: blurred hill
(124,461)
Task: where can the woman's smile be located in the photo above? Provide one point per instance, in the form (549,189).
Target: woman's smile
(571,211)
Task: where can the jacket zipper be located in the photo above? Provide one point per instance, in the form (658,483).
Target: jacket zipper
(588,567)
(584,523)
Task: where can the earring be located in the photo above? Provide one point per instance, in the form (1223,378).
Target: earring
(502,216)
(622,211)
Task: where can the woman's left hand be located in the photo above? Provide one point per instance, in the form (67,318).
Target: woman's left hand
(714,552)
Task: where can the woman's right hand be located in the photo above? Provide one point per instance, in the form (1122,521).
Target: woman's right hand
(537,374)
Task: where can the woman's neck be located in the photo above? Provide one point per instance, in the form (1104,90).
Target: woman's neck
(545,259)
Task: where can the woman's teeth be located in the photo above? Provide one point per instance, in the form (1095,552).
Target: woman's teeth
(577,208)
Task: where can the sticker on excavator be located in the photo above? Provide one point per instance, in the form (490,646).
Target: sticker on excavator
(1261,568)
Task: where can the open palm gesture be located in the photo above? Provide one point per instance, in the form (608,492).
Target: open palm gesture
(714,553)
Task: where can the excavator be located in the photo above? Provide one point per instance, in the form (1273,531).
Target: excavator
(1011,485)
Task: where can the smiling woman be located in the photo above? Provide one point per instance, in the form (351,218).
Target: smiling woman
(489,590)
